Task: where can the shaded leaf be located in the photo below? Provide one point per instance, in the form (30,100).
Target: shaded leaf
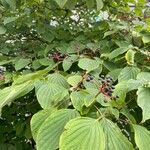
(61,3)
(46,62)
(9,94)
(88,64)
(144,77)
(117,52)
(90,3)
(11,3)
(9,19)
(2,30)
(99,4)
(126,113)
(128,73)
(21,63)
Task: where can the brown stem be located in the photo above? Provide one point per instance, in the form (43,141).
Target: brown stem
(83,77)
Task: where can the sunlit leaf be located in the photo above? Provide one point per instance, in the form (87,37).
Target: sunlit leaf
(82,133)
(38,119)
(142,137)
(50,131)
(128,73)
(143,101)
(114,138)
(99,4)
(61,3)
(88,64)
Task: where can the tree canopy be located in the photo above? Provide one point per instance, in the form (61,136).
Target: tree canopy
(74,74)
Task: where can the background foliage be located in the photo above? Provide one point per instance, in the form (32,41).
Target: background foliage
(52,55)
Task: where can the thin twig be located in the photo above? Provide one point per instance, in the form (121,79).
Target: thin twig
(98,110)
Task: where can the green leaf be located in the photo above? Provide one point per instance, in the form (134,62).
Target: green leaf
(58,79)
(21,63)
(7,146)
(110,65)
(126,113)
(133,84)
(146,38)
(50,131)
(128,73)
(82,134)
(99,4)
(143,101)
(144,77)
(121,89)
(50,94)
(88,64)
(142,137)
(61,3)
(114,73)
(9,94)
(90,3)
(74,80)
(67,62)
(9,19)
(118,52)
(38,119)
(71,4)
(115,140)
(11,3)
(129,56)
(109,33)
(32,76)
(46,62)
(4,62)
(36,64)
(2,30)
(77,99)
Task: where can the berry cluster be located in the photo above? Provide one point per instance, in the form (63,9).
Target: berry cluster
(57,56)
(107,88)
(2,70)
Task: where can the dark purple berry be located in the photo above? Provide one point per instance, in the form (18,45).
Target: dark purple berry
(112,87)
(114,98)
(108,80)
(110,91)
(111,98)
(87,79)
(103,81)
(91,78)
(111,78)
(117,96)
(108,84)
(106,90)
(109,94)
